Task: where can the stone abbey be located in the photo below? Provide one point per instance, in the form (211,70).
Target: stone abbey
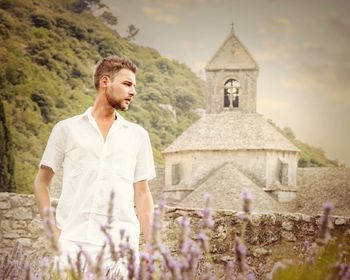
(231,146)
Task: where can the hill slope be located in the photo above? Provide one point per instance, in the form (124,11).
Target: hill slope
(48,50)
(309,156)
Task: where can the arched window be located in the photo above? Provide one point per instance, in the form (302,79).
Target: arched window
(231,94)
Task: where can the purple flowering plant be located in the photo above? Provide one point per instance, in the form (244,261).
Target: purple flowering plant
(322,259)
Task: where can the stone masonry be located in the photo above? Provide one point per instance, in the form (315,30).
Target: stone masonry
(269,237)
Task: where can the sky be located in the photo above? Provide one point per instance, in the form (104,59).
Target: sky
(302,49)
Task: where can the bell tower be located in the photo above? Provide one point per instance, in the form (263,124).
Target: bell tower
(231,78)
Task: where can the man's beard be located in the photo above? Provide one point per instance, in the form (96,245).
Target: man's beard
(116,104)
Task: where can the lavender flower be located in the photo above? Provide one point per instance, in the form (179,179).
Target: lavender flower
(110,210)
(244,271)
(185,231)
(50,225)
(132,267)
(145,258)
(207,221)
(229,273)
(203,241)
(11,267)
(99,263)
(157,224)
(325,224)
(247,198)
(110,242)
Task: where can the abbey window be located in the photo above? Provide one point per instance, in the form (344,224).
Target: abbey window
(175,174)
(231,94)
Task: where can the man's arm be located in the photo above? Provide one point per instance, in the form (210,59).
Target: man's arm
(41,194)
(144,207)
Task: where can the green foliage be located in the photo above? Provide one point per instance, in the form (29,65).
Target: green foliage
(132,32)
(6,155)
(109,18)
(324,266)
(48,50)
(309,156)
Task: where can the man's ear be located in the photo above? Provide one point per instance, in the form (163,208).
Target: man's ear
(104,81)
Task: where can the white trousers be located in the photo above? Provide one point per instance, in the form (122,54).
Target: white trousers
(110,268)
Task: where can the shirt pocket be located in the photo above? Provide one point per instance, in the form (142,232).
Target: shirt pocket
(123,162)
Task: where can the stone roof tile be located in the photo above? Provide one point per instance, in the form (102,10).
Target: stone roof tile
(231,130)
(225,187)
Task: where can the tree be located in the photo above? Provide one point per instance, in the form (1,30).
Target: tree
(109,18)
(7,165)
(81,5)
(289,133)
(132,32)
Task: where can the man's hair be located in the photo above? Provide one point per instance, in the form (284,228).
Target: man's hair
(110,66)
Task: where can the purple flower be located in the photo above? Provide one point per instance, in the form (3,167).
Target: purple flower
(241,252)
(247,198)
(325,224)
(328,206)
(207,220)
(203,241)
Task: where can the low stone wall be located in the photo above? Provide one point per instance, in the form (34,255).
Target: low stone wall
(269,236)
(20,221)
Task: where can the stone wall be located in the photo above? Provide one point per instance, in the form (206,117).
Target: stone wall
(270,236)
(20,221)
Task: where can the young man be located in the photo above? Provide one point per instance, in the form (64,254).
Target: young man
(100,152)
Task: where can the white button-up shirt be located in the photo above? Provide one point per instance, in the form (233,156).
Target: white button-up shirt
(92,168)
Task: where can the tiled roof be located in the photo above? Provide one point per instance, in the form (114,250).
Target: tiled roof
(231,130)
(225,187)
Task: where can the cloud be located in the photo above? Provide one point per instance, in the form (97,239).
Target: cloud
(278,44)
(335,24)
(281,27)
(275,51)
(158,15)
(178,3)
(314,54)
(323,63)
(272,104)
(327,79)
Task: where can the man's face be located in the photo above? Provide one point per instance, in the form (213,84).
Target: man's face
(121,90)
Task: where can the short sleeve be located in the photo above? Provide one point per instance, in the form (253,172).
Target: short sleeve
(145,169)
(54,151)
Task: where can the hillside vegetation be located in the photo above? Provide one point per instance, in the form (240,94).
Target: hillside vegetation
(309,156)
(48,50)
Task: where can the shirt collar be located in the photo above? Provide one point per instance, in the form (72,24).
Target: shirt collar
(120,119)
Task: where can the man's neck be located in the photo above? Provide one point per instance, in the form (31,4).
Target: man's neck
(103,111)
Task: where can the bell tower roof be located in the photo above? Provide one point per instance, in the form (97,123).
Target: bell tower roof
(232,55)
